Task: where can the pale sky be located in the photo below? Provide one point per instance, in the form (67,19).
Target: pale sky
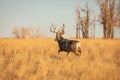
(42,13)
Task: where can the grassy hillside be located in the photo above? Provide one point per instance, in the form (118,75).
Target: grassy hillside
(37,59)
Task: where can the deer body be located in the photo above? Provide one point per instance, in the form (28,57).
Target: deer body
(65,44)
(69,46)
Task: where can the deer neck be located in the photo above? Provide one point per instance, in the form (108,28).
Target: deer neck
(60,40)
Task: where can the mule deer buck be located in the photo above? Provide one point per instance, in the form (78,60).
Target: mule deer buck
(65,44)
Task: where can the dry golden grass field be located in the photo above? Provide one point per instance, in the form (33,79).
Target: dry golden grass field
(37,59)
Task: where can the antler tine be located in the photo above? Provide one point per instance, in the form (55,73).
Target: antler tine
(62,29)
(63,25)
(53,30)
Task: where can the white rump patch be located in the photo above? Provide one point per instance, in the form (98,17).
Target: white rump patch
(78,45)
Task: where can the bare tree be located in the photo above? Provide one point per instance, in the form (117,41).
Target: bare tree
(118,14)
(108,16)
(25,32)
(78,21)
(82,23)
(35,33)
(16,32)
(38,33)
(86,22)
(93,27)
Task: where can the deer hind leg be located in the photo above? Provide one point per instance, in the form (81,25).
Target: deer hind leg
(67,54)
(73,49)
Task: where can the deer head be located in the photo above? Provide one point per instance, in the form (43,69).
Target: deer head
(58,33)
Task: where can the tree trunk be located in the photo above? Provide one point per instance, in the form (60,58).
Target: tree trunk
(112,32)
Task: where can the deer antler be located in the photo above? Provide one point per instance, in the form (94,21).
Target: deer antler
(62,29)
(53,29)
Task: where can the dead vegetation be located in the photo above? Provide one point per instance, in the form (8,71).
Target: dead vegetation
(37,59)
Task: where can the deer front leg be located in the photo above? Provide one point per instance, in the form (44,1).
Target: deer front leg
(67,54)
(59,52)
